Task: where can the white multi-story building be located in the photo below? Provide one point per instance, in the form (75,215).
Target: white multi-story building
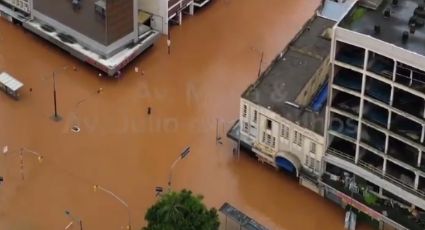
(375,124)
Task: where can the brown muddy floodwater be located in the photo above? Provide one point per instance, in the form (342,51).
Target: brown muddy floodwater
(214,57)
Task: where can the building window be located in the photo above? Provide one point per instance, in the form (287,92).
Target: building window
(269,140)
(312,161)
(317,167)
(309,162)
(254,119)
(284,132)
(298,138)
(245,127)
(245,110)
(313,147)
(269,124)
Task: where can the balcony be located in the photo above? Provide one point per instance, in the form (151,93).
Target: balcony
(348,156)
(348,79)
(408,103)
(403,152)
(350,54)
(366,194)
(406,127)
(380,65)
(405,176)
(371,160)
(394,181)
(373,138)
(343,125)
(378,90)
(375,114)
(346,102)
(411,77)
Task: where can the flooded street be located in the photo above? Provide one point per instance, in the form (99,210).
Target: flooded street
(215,55)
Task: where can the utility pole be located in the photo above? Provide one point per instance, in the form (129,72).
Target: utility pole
(21,163)
(169,42)
(217,135)
(181,156)
(261,63)
(55,116)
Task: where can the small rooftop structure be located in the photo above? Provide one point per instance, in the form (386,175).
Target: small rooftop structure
(9,84)
(281,85)
(245,222)
(335,10)
(398,22)
(371,4)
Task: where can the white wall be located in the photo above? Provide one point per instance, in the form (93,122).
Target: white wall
(24,5)
(255,131)
(159,10)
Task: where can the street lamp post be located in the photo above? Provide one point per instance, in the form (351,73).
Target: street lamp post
(76,127)
(182,155)
(56,117)
(98,187)
(73,219)
(21,152)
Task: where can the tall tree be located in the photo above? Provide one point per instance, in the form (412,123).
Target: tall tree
(181,210)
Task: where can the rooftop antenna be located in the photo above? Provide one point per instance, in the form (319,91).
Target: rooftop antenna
(261,63)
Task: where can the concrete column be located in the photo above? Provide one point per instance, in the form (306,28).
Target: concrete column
(416,181)
(329,101)
(136,20)
(384,166)
(423,133)
(191,8)
(419,158)
(387,141)
(163,6)
(394,69)
(359,128)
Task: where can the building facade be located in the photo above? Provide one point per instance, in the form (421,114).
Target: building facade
(107,34)
(375,122)
(282,114)
(281,142)
(104,26)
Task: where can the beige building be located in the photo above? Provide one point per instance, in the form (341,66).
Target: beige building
(282,114)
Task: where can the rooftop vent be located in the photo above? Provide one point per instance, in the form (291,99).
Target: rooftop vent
(412,28)
(413,20)
(419,11)
(371,4)
(395,2)
(377,29)
(387,13)
(405,37)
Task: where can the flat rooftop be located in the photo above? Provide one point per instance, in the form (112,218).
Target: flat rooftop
(335,10)
(282,82)
(363,20)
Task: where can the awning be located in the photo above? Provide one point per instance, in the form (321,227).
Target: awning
(283,158)
(10,82)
